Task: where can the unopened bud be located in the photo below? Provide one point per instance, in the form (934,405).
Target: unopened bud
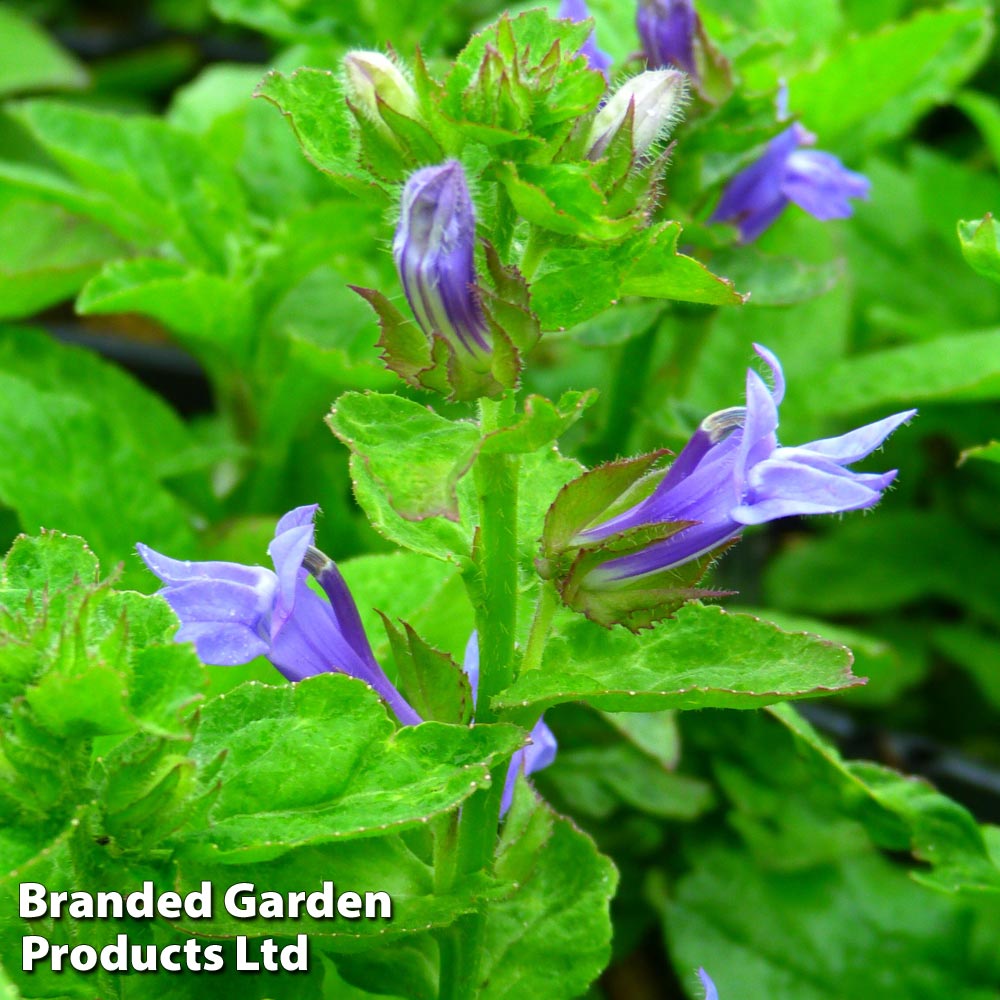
(434,249)
(371,78)
(656,98)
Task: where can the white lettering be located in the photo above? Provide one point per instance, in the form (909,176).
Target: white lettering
(33,948)
(31,901)
(236,904)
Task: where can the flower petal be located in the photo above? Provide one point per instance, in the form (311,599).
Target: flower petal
(777,374)
(223,644)
(711,993)
(821,185)
(785,488)
(294,534)
(175,571)
(857,444)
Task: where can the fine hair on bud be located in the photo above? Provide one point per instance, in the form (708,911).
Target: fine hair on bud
(371,77)
(656,99)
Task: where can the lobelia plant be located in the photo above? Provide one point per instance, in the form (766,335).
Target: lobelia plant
(520,195)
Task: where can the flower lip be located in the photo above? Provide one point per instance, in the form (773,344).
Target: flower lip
(733,473)
(234,613)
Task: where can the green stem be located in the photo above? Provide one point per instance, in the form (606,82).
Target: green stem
(493,586)
(545,609)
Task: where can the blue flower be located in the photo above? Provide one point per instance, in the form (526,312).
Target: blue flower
(733,473)
(534,757)
(711,993)
(234,613)
(667,30)
(576,10)
(816,181)
(434,251)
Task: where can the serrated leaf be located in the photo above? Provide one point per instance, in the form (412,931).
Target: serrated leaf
(541,424)
(655,269)
(334,765)
(563,198)
(552,936)
(314,103)
(431,681)
(415,455)
(704,657)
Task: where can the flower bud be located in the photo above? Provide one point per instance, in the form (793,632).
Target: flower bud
(655,99)
(434,250)
(372,80)
(667,30)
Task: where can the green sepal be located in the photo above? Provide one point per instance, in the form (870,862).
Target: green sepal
(433,363)
(646,601)
(430,680)
(571,562)
(586,500)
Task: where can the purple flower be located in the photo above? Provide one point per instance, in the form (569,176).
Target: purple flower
(542,749)
(711,993)
(576,10)
(667,30)
(817,182)
(233,613)
(434,250)
(733,473)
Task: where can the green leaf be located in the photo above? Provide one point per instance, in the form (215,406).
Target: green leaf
(625,779)
(822,932)
(904,813)
(161,439)
(541,424)
(906,555)
(958,367)
(907,68)
(334,765)
(46,254)
(48,562)
(705,657)
(415,455)
(983,453)
(134,174)
(981,246)
(985,114)
(209,314)
(393,864)
(655,269)
(564,198)
(31,61)
(66,467)
(431,681)
(875,659)
(314,103)
(552,937)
